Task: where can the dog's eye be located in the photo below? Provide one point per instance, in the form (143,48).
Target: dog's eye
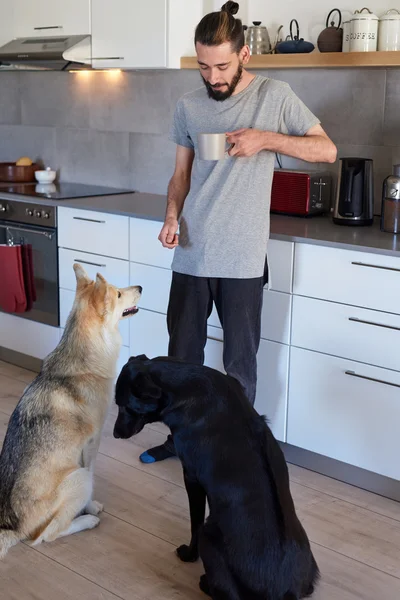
(119,294)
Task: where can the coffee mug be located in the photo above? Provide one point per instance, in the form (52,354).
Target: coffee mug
(212,146)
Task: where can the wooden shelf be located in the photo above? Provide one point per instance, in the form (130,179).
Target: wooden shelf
(314,60)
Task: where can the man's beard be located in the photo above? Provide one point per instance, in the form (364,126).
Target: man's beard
(216,94)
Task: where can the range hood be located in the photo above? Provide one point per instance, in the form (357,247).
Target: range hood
(50,53)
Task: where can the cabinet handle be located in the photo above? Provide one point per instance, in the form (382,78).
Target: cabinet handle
(355,320)
(51,27)
(90,220)
(108,57)
(354,374)
(86,262)
(361,264)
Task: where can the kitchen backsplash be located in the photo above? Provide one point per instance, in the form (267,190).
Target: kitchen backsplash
(112,128)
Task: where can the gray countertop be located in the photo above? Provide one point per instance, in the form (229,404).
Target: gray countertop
(315,230)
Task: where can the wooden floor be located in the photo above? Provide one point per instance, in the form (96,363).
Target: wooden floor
(355,535)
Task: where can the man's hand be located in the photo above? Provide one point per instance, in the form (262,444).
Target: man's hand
(247,142)
(168,236)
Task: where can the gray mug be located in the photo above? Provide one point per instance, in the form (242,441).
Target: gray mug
(212,146)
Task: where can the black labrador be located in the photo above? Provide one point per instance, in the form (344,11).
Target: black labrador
(252,545)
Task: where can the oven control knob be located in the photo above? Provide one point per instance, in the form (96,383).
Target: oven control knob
(46,215)
(29,212)
(38,214)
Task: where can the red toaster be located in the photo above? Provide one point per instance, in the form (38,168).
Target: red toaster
(300,193)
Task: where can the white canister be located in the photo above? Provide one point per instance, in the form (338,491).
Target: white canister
(364,31)
(346,36)
(389,31)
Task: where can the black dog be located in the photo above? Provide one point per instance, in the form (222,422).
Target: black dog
(252,545)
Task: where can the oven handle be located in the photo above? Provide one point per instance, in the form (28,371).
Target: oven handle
(25,230)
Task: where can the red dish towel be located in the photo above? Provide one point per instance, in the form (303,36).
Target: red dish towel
(27,265)
(12,287)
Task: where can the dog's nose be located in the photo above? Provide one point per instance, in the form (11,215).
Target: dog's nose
(116,434)
(140,289)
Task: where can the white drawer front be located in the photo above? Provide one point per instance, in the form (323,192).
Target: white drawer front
(346,331)
(215,333)
(145,246)
(156,283)
(276,316)
(337,409)
(149,334)
(213,319)
(272,385)
(66,301)
(213,355)
(280,262)
(116,271)
(346,276)
(28,337)
(95,232)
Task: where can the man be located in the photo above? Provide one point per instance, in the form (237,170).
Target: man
(223,206)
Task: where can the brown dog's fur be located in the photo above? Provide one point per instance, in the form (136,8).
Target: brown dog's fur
(46,465)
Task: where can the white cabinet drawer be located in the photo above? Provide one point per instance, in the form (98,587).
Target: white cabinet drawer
(149,334)
(345,410)
(27,337)
(359,334)
(115,271)
(145,246)
(213,355)
(156,283)
(67,298)
(276,316)
(280,263)
(94,232)
(346,276)
(272,385)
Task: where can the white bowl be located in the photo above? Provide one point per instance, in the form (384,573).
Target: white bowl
(47,176)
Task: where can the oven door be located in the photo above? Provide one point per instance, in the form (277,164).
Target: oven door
(43,240)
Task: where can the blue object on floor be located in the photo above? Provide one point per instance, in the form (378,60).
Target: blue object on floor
(147,458)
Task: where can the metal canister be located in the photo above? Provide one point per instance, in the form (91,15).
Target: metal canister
(390,215)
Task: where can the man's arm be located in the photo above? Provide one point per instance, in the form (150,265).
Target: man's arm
(178,189)
(314,146)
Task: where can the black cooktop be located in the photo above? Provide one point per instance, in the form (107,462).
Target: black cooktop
(60,190)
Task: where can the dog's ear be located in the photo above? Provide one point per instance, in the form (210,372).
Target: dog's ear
(82,278)
(139,357)
(146,391)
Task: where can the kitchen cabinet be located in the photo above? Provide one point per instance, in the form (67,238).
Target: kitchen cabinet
(93,232)
(272,385)
(50,18)
(27,337)
(134,34)
(345,410)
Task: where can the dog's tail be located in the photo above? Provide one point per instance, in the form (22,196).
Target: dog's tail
(8,539)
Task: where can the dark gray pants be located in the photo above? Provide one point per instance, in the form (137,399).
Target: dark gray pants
(238,303)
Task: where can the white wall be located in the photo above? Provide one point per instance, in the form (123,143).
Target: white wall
(310,14)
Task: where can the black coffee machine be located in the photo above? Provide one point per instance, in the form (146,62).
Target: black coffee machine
(354,204)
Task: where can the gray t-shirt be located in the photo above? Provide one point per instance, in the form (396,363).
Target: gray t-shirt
(224,226)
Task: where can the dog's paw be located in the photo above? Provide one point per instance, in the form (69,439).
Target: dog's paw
(187,554)
(91,522)
(203,585)
(94,508)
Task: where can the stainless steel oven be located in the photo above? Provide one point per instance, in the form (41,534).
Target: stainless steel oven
(35,225)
